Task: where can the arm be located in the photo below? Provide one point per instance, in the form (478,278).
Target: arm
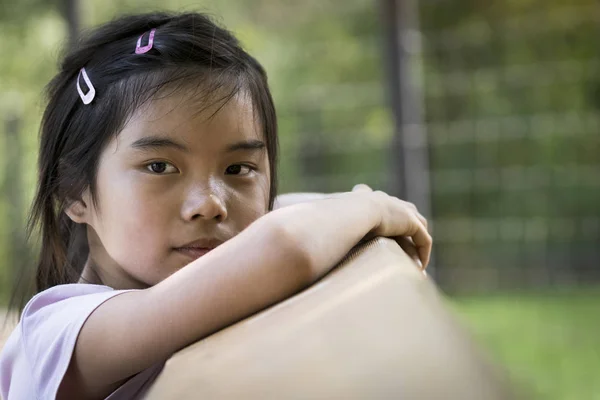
(288,199)
(275,257)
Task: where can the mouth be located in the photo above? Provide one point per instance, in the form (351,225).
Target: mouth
(193,252)
(198,248)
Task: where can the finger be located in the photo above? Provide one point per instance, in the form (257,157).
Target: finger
(422,219)
(414,208)
(423,242)
(409,248)
(409,204)
(361,187)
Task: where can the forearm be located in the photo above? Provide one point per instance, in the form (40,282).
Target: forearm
(275,257)
(278,255)
(326,229)
(288,199)
(257,268)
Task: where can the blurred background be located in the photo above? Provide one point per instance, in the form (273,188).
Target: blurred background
(486,114)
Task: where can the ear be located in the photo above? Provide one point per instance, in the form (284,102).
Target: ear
(78,210)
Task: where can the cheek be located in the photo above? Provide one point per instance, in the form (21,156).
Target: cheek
(133,219)
(249,205)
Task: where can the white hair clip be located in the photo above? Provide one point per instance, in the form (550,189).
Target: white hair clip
(89,96)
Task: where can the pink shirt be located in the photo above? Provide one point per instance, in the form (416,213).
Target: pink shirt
(37,353)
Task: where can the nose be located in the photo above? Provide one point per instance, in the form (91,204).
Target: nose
(204,205)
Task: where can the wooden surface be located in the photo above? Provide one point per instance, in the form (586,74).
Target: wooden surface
(375,328)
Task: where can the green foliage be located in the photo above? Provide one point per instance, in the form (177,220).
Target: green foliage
(513,85)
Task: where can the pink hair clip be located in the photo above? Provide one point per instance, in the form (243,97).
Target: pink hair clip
(141,50)
(89,96)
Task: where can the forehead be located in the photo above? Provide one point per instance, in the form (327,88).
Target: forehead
(196,119)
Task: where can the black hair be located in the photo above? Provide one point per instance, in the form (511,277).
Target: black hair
(187,47)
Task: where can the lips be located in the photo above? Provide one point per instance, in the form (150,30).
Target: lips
(193,252)
(198,248)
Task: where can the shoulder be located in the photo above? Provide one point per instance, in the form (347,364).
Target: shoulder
(60,295)
(59,308)
(41,345)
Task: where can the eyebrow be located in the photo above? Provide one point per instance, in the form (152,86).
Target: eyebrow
(245,145)
(157,142)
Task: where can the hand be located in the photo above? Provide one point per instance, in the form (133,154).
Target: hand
(418,245)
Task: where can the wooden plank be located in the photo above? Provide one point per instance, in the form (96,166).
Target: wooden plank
(373,328)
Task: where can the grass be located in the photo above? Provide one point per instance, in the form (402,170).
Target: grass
(549,342)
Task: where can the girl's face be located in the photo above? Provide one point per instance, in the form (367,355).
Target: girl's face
(172,185)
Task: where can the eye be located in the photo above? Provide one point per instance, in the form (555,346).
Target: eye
(161,168)
(238,169)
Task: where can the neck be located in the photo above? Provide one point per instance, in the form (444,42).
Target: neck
(90,274)
(101,269)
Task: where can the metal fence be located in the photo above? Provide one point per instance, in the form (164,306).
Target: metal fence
(497,135)
(512,99)
(485,115)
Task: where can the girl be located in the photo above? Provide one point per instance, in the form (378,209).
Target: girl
(157,172)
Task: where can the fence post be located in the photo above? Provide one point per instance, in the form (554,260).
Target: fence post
(410,158)
(70,11)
